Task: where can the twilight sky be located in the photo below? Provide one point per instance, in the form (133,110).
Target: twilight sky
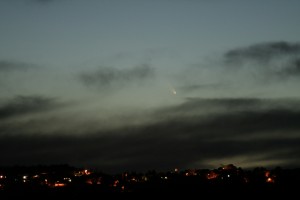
(140,84)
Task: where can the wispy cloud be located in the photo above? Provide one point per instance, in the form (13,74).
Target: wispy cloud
(259,67)
(112,77)
(8,66)
(21,105)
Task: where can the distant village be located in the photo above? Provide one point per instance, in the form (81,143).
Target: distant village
(227,178)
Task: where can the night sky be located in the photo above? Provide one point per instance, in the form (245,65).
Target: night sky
(150,84)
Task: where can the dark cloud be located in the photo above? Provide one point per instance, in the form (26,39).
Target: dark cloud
(227,105)
(193,87)
(26,104)
(271,60)
(293,69)
(263,52)
(261,65)
(257,130)
(8,66)
(44,1)
(113,77)
(225,118)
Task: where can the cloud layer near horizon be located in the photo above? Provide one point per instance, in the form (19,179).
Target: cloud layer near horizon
(197,133)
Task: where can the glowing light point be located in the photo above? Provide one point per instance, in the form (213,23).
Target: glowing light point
(172,89)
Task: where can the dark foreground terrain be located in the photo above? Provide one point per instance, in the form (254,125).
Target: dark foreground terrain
(69,182)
